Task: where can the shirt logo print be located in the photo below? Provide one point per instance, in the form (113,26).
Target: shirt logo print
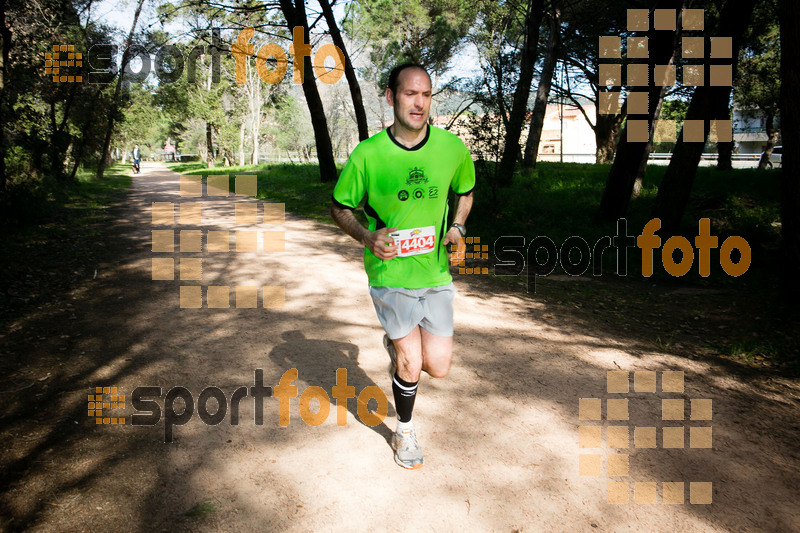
(416,176)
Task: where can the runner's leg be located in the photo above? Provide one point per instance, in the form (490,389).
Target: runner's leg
(422,350)
(409,355)
(437,353)
(407,452)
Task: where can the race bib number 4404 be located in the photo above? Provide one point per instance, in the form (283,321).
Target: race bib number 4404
(415,241)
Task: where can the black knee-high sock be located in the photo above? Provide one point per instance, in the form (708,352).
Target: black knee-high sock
(404,395)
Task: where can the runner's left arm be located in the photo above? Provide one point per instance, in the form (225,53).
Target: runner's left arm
(463,207)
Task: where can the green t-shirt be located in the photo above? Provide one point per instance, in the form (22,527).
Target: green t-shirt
(407,188)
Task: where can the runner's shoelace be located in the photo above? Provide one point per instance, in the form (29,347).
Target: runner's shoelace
(409,439)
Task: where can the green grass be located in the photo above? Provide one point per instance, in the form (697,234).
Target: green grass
(58,245)
(296,185)
(753,352)
(185,167)
(91,194)
(81,202)
(201,510)
(559,200)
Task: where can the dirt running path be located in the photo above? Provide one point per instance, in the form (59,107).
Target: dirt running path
(500,434)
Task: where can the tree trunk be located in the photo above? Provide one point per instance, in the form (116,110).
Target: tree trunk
(606,132)
(5,42)
(210,145)
(256,148)
(78,154)
(56,141)
(543,92)
(296,17)
(790,163)
(112,112)
(772,140)
(241,144)
(630,162)
(255,117)
(519,107)
(708,102)
(725,155)
(349,72)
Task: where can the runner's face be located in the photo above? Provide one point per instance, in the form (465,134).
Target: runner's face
(412,102)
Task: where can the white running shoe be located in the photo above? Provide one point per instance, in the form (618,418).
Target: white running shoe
(407,452)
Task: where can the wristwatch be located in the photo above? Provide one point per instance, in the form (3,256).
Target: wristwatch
(461,229)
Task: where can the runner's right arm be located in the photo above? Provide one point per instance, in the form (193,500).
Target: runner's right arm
(378,241)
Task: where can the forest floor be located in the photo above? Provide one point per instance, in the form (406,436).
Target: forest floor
(502,434)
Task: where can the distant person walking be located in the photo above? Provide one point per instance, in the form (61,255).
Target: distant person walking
(137,156)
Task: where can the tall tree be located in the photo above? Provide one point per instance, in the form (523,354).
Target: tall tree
(543,91)
(113,112)
(295,14)
(428,32)
(758,81)
(790,171)
(349,71)
(497,36)
(707,103)
(5,43)
(41,117)
(582,24)
(633,148)
(519,108)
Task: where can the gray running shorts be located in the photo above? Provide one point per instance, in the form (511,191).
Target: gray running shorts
(401,310)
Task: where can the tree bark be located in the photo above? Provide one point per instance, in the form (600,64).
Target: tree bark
(112,113)
(349,71)
(296,16)
(519,107)
(254,91)
(708,102)
(725,155)
(5,42)
(241,144)
(606,132)
(209,144)
(790,162)
(543,92)
(630,162)
(56,159)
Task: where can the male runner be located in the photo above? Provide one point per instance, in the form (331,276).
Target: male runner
(406,172)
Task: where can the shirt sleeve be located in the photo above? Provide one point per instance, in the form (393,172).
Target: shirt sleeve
(464,179)
(352,184)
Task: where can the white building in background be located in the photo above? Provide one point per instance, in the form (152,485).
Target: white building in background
(573,135)
(750,131)
(565,131)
